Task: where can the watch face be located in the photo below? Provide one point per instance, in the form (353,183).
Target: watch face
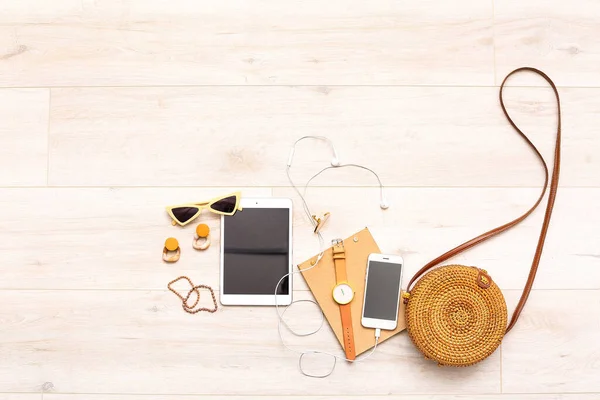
(343,293)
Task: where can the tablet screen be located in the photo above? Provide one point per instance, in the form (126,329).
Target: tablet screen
(256,251)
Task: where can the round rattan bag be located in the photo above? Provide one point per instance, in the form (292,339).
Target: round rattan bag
(456,315)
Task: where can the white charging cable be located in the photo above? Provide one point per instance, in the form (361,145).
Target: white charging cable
(281,322)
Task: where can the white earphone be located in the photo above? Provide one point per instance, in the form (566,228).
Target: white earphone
(335,163)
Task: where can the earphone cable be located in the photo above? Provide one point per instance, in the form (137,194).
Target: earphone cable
(381,195)
(308,213)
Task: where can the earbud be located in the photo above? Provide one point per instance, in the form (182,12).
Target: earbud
(335,161)
(384,203)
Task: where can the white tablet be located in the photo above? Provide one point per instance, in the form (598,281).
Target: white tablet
(256,252)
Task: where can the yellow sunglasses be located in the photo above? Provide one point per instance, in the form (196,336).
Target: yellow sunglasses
(183,214)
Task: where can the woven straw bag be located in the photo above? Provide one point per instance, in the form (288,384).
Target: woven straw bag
(456,315)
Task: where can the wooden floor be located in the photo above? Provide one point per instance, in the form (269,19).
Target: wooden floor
(112,109)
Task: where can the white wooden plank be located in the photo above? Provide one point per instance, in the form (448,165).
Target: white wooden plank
(534,111)
(578,396)
(242,136)
(21,396)
(135,42)
(103,238)
(421,224)
(136,342)
(554,346)
(113,238)
(558,37)
(23,136)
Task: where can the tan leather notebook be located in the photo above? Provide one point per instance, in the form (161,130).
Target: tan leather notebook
(321,280)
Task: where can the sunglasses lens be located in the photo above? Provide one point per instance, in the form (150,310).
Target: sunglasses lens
(226,205)
(184,214)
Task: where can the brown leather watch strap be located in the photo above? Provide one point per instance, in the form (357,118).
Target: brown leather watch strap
(339,261)
(348,331)
(551,198)
(341,276)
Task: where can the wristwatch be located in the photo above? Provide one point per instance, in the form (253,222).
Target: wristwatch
(343,294)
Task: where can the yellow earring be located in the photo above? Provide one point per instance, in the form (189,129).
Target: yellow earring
(171,245)
(202,237)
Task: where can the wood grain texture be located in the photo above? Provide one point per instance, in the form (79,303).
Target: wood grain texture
(242,136)
(141,342)
(579,396)
(104,238)
(21,396)
(23,136)
(112,109)
(554,347)
(113,238)
(560,40)
(135,42)
(421,224)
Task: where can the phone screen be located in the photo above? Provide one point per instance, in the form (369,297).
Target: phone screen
(383,287)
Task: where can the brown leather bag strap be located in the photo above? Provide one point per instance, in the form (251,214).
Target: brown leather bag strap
(551,198)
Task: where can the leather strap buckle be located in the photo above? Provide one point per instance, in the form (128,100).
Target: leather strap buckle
(338,249)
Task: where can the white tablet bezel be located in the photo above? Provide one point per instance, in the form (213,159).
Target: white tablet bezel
(258,299)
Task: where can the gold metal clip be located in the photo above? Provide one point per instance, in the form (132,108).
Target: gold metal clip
(320,221)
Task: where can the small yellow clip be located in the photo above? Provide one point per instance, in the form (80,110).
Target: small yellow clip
(405,297)
(320,221)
